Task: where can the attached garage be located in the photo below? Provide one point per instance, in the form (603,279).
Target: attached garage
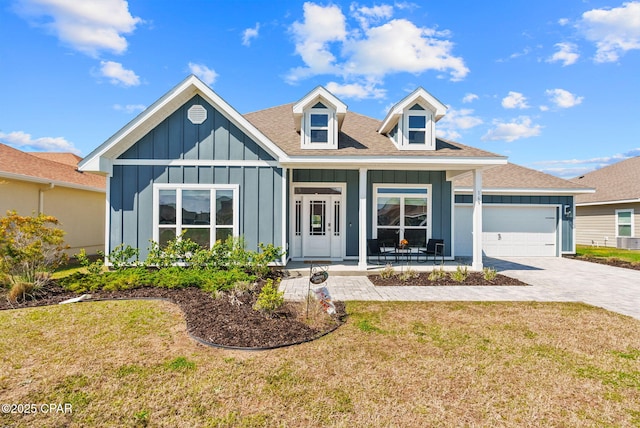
(510,230)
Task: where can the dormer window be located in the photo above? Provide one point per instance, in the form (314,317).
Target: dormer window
(318,117)
(319,124)
(410,124)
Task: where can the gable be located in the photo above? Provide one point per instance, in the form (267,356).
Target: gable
(152,118)
(213,136)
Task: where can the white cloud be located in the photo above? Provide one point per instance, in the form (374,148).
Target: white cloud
(129,108)
(204,73)
(468,98)
(569,168)
(87,26)
(321,26)
(117,74)
(567,54)
(544,108)
(562,98)
(455,121)
(250,33)
(563,21)
(327,46)
(357,91)
(614,31)
(22,140)
(521,127)
(369,15)
(515,100)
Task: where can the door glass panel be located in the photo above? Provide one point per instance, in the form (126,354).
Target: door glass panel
(415,211)
(224,207)
(167,202)
(388,211)
(317,221)
(196,207)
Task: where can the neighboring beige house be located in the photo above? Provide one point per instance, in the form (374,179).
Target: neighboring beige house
(50,183)
(611,216)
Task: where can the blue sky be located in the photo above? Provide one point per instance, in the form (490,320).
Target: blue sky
(554,85)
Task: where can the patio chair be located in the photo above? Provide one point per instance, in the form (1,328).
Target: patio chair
(374,249)
(435,248)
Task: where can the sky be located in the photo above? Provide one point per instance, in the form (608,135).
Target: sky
(553,85)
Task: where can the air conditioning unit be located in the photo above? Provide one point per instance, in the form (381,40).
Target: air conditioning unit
(628,243)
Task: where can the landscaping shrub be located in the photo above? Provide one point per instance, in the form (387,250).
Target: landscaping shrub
(461,273)
(269,299)
(408,274)
(437,274)
(387,272)
(31,248)
(489,273)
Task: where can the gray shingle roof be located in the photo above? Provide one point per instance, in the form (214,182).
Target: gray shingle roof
(512,176)
(358,137)
(617,182)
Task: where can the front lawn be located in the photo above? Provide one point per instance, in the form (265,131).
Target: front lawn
(631,256)
(128,363)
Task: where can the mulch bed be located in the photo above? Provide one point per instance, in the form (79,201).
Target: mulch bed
(214,321)
(606,261)
(422,279)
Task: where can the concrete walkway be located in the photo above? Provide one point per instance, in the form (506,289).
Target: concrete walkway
(552,279)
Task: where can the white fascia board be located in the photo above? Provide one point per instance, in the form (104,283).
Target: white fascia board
(57,183)
(621,201)
(160,110)
(383,162)
(438,108)
(522,191)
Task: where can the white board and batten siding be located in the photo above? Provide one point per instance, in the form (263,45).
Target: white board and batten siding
(513,231)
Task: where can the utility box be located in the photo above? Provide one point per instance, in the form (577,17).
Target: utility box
(628,243)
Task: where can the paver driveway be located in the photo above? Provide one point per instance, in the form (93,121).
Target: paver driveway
(552,279)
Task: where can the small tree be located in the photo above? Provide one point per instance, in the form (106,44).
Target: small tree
(31,247)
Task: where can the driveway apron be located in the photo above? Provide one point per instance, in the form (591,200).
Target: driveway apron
(551,279)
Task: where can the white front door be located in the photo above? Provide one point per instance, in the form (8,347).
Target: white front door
(317,225)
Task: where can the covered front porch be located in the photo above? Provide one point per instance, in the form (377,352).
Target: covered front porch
(332,213)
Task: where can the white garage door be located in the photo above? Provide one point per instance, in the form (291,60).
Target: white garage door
(508,231)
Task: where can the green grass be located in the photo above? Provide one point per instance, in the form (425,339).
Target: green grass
(131,363)
(631,256)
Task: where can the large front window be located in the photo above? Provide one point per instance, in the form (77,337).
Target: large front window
(203,213)
(402,213)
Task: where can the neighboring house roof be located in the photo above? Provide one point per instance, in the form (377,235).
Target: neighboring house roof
(60,157)
(614,183)
(18,165)
(358,137)
(513,178)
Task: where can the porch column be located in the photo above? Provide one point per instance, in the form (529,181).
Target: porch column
(477,220)
(285,244)
(362,234)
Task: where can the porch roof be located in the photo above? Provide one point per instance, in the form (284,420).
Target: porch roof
(358,138)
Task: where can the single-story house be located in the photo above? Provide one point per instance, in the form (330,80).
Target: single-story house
(610,217)
(49,183)
(311,177)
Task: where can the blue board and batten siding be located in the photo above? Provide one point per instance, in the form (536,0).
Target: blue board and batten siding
(567,221)
(440,198)
(216,139)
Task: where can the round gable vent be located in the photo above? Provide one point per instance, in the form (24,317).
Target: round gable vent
(197,114)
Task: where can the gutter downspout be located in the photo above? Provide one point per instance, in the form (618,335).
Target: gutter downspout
(41,197)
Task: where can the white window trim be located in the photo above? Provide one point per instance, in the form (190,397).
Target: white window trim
(628,210)
(374,208)
(180,186)
(332,129)
(430,129)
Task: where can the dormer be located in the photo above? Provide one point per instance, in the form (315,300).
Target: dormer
(411,123)
(318,118)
